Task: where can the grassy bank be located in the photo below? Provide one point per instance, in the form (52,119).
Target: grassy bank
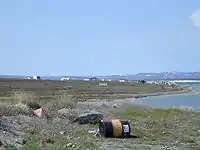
(84,90)
(156,128)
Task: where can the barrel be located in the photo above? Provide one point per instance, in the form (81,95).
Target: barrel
(114,128)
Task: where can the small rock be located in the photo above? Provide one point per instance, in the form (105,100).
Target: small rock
(115,106)
(89,118)
(62,132)
(69,144)
(68,137)
(163,132)
(20,141)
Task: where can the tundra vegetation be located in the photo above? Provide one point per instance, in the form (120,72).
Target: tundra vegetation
(63,101)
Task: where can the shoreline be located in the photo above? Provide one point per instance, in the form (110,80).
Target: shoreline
(133,99)
(185,90)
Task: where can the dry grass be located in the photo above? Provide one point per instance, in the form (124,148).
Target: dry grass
(22,102)
(155,127)
(81,90)
(13,109)
(162,126)
(58,131)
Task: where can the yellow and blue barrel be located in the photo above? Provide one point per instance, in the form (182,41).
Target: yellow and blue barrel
(114,128)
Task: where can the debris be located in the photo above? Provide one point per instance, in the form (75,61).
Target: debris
(115,106)
(92,130)
(41,112)
(89,118)
(114,128)
(38,112)
(97,133)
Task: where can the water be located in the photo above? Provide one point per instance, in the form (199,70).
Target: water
(188,100)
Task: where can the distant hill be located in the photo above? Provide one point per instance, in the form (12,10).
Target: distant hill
(11,76)
(139,76)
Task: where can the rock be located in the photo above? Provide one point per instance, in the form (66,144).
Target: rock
(69,145)
(92,117)
(115,106)
(62,132)
(11,135)
(68,137)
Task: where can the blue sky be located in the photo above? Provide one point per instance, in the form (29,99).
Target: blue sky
(101,37)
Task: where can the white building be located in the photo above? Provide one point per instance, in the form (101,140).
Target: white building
(64,79)
(86,79)
(36,77)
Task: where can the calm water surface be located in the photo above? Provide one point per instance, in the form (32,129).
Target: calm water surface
(188,100)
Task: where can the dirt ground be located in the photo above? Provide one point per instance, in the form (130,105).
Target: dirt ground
(63,101)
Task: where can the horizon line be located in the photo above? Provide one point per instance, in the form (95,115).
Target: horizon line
(104,75)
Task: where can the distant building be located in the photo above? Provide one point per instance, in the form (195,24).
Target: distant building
(122,80)
(141,81)
(33,78)
(86,79)
(28,78)
(36,77)
(93,78)
(64,78)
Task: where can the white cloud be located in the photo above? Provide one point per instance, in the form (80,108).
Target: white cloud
(195,17)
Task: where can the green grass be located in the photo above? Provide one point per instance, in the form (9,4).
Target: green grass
(153,126)
(79,138)
(162,126)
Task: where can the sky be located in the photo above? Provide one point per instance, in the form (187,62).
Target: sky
(100,37)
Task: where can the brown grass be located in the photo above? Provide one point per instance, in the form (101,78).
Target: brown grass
(80,90)
(19,96)
(59,99)
(23,102)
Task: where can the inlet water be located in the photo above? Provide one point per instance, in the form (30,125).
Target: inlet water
(179,100)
